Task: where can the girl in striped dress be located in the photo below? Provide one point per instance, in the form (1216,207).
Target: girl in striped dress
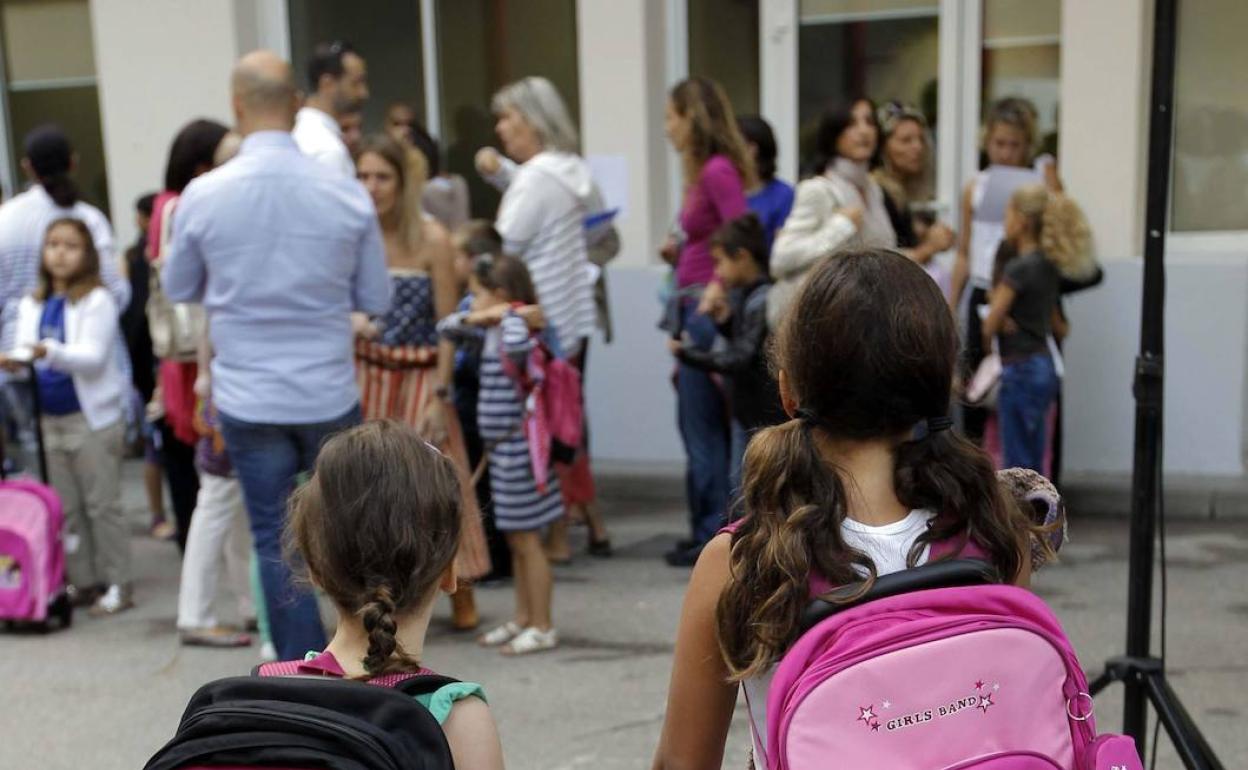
(504,308)
(403,372)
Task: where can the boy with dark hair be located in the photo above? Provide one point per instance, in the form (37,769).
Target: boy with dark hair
(741,264)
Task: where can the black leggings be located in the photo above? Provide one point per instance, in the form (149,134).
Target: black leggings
(178,459)
(974,419)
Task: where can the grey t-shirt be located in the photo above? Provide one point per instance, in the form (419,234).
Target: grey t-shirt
(1036,283)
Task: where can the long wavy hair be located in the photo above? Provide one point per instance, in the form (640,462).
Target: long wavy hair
(1060,226)
(868,351)
(412,170)
(713,130)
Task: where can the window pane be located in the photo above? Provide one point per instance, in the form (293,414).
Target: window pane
(77,111)
(482,46)
(388,36)
(1211,117)
(723,46)
(1022,58)
(29,25)
(852,47)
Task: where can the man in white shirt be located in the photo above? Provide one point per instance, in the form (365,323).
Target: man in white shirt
(337,86)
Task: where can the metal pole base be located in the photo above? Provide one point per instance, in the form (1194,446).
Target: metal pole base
(1148,673)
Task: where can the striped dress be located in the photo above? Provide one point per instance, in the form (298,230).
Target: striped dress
(519,506)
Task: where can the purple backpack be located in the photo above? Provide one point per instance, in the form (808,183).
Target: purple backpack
(32,554)
(958,677)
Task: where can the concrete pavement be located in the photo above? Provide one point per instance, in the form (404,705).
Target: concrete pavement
(109,692)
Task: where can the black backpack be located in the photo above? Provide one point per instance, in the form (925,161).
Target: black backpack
(309,722)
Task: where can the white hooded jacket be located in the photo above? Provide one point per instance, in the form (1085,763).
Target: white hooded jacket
(542,221)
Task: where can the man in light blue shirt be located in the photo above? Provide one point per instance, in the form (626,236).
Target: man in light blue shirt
(280,251)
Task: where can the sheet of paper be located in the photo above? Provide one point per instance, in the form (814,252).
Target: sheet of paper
(610,173)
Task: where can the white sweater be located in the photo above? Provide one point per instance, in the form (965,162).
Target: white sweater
(542,221)
(87,353)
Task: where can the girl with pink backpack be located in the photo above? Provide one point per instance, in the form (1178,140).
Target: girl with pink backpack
(865,492)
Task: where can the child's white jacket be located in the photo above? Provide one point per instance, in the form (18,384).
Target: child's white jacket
(88,353)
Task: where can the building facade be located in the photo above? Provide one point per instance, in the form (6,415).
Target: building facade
(124,75)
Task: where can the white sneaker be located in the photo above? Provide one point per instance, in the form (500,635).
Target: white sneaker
(116,599)
(532,640)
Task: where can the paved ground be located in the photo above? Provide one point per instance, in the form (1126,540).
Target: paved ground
(108,692)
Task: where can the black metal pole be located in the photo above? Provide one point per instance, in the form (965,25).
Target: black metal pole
(1149,371)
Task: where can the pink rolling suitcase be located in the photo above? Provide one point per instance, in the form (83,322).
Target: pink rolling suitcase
(32,549)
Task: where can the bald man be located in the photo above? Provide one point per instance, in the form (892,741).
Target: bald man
(280,250)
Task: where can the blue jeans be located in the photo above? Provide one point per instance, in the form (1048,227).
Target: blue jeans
(267,459)
(703,419)
(1028,389)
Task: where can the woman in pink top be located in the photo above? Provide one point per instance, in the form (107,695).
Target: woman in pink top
(717,171)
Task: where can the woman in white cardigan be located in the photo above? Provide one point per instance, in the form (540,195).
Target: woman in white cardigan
(842,206)
(68,326)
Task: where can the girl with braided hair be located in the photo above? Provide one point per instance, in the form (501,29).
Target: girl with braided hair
(378,527)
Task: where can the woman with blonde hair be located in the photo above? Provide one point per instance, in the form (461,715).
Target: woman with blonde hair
(404,370)
(717,171)
(1051,237)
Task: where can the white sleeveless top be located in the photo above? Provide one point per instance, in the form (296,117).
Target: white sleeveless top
(888,546)
(988,221)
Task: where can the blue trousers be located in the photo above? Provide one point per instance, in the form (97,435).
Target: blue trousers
(1028,389)
(703,419)
(267,460)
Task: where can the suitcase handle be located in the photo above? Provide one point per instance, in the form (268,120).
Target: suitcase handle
(37,418)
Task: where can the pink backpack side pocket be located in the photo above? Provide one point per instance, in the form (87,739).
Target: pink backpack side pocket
(1111,752)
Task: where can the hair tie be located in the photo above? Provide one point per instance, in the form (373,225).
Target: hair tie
(807,417)
(930,427)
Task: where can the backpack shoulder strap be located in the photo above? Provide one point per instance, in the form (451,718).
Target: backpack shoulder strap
(421,684)
(277,668)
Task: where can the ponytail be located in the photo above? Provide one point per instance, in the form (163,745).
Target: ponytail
(796,503)
(61,188)
(1065,237)
(945,472)
(1060,227)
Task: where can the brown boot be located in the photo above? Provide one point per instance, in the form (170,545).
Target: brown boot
(464,609)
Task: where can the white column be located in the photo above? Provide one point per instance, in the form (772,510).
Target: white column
(1104,127)
(622,84)
(623,52)
(430,59)
(145,99)
(777,65)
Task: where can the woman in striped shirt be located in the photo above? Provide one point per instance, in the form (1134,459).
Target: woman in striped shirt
(504,305)
(548,197)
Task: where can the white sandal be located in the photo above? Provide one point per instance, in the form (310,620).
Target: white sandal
(500,635)
(531,640)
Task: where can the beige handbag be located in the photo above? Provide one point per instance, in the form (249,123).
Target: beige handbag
(176,327)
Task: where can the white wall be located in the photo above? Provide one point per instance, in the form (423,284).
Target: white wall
(1104,104)
(160,64)
(623,74)
(1205,368)
(1104,143)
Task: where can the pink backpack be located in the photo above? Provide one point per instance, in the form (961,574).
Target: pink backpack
(32,554)
(962,677)
(553,410)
